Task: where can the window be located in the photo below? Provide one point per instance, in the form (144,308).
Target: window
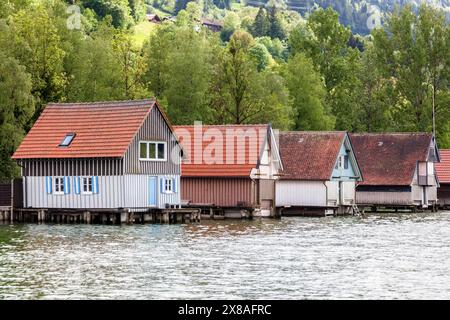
(67,140)
(59,185)
(152,151)
(87,185)
(168,187)
(342,162)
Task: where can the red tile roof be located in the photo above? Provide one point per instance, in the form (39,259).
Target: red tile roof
(103,129)
(239,164)
(443,168)
(390,158)
(309,155)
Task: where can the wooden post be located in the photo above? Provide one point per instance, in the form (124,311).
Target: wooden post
(12,199)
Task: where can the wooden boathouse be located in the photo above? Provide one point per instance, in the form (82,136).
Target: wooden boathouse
(398,170)
(443,173)
(229,170)
(109,157)
(320,174)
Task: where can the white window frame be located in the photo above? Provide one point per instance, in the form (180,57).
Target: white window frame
(156,143)
(82,185)
(341,162)
(168,185)
(58,186)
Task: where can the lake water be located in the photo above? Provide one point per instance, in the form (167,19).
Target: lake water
(379,256)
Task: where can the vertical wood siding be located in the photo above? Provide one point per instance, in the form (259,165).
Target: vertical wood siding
(154,128)
(443,194)
(110,195)
(384,198)
(73,167)
(349,192)
(137,192)
(129,191)
(227,192)
(301,193)
(313,193)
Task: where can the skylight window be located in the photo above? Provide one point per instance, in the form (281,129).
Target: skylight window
(67,140)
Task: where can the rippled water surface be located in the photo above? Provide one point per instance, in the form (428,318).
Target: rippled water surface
(380,256)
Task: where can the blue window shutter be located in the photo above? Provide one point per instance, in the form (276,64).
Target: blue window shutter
(175,185)
(162,189)
(66,185)
(95,185)
(76,185)
(48,184)
(345,162)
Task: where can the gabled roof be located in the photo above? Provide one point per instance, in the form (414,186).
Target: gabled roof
(102,129)
(234,161)
(309,155)
(443,168)
(390,158)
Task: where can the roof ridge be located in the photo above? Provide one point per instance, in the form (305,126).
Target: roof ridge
(390,133)
(294,132)
(95,103)
(223,125)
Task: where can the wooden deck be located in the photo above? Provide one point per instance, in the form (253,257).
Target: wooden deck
(119,216)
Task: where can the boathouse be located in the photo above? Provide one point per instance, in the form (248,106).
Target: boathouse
(229,169)
(320,173)
(443,173)
(105,155)
(398,169)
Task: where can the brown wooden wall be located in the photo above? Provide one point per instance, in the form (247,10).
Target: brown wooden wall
(226,192)
(5,194)
(444,195)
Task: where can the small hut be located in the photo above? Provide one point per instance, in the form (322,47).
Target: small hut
(105,155)
(153,18)
(320,173)
(213,25)
(398,169)
(443,173)
(229,169)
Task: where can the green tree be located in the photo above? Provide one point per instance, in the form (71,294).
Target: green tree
(276,28)
(34,41)
(324,40)
(188,69)
(138,9)
(156,53)
(413,52)
(261,25)
(376,97)
(261,56)
(241,94)
(180,5)
(119,10)
(132,66)
(16,109)
(231,23)
(308,93)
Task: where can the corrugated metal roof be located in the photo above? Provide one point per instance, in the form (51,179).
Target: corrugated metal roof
(309,155)
(443,168)
(390,158)
(103,129)
(244,157)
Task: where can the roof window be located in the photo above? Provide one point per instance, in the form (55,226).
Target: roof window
(67,140)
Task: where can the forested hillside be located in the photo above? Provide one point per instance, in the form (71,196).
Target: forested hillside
(267,64)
